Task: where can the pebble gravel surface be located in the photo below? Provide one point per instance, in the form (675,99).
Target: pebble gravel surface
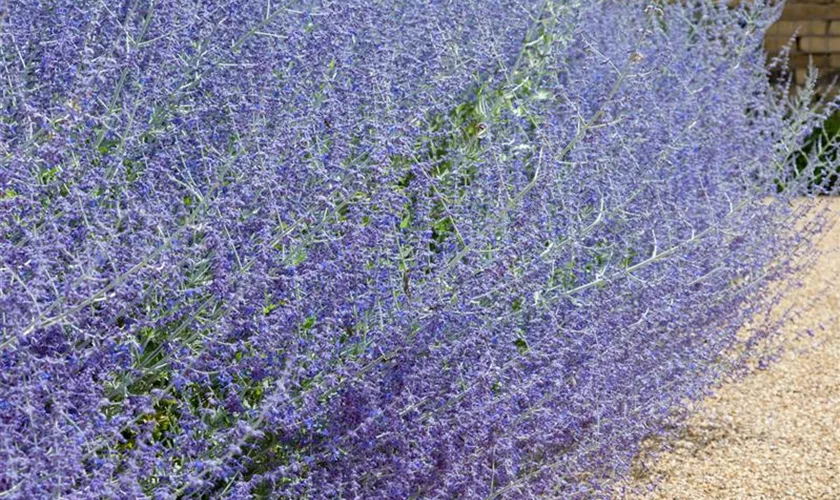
(774,434)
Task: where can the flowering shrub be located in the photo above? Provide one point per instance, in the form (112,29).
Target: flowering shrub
(816,154)
(426,249)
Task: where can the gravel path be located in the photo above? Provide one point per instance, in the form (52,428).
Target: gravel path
(776,433)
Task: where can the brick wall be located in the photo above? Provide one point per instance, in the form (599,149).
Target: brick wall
(818,22)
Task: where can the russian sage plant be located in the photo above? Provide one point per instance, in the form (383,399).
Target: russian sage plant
(377,249)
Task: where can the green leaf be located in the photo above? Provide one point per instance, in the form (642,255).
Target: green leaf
(308,323)
(47,176)
(108,145)
(299,256)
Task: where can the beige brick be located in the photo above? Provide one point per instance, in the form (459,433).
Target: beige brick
(802,60)
(814,28)
(801,76)
(809,11)
(780,28)
(834,44)
(799,61)
(773,44)
(834,60)
(834,28)
(814,44)
(788,28)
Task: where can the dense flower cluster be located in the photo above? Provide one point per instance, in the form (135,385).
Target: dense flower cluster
(374,249)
